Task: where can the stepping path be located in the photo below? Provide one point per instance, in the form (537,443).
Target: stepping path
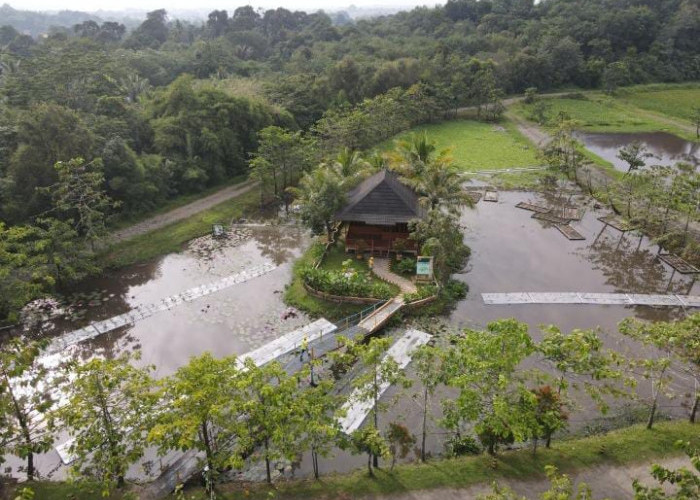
(146,310)
(383,270)
(624,299)
(401,352)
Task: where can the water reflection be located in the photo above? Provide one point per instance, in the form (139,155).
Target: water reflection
(667,148)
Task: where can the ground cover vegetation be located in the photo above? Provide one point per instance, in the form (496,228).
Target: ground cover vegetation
(235,414)
(168,108)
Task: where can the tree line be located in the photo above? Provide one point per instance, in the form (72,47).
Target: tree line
(233,413)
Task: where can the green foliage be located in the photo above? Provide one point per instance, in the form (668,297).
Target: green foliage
(108,414)
(348,284)
(320,195)
(25,402)
(406,266)
(685,482)
(458,446)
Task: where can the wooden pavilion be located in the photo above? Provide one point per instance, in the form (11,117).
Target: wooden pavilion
(377,215)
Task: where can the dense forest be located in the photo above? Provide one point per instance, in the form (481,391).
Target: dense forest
(173,107)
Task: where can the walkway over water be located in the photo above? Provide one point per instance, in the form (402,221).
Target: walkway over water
(625,299)
(401,351)
(146,310)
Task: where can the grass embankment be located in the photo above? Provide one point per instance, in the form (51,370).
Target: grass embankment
(477,145)
(631,445)
(171,238)
(625,446)
(670,101)
(597,112)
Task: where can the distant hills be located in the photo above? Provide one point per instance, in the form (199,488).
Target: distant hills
(39,23)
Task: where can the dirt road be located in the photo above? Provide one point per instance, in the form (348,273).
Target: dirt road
(183,212)
(614,482)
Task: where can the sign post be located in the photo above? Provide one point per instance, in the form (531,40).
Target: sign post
(424,268)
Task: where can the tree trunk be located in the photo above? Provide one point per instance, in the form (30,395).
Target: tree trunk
(549,440)
(369,464)
(694,411)
(267,464)
(375,458)
(652,414)
(314,459)
(425,424)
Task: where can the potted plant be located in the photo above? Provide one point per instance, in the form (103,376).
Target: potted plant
(361,246)
(399,247)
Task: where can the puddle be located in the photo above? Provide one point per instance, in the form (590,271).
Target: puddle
(668,148)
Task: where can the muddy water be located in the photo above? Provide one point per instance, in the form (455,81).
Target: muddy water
(231,321)
(667,149)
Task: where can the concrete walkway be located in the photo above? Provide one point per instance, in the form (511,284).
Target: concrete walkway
(383,270)
(401,351)
(624,299)
(180,213)
(605,481)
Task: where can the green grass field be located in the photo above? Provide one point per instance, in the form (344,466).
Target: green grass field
(675,103)
(602,113)
(477,145)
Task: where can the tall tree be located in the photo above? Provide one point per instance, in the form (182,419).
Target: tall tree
(635,155)
(108,410)
(428,365)
(202,403)
(26,399)
(79,196)
(482,365)
(320,195)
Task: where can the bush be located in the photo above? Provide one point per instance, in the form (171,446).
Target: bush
(348,284)
(406,266)
(423,292)
(458,446)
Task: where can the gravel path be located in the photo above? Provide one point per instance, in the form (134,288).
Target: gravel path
(183,212)
(605,481)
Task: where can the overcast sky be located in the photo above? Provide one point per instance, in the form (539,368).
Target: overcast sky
(230,5)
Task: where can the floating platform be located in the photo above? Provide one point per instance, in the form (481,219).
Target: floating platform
(572,213)
(679,264)
(552,219)
(617,222)
(533,208)
(623,299)
(491,196)
(569,232)
(356,411)
(475,196)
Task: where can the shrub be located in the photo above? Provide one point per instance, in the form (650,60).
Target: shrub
(345,283)
(423,292)
(406,266)
(458,446)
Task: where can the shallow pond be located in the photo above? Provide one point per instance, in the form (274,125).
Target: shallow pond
(510,252)
(667,149)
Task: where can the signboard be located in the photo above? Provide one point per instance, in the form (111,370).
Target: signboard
(424,268)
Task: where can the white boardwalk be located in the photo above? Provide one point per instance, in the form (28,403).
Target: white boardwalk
(624,299)
(144,311)
(289,342)
(401,351)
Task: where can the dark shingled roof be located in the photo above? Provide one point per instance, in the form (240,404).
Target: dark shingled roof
(383,200)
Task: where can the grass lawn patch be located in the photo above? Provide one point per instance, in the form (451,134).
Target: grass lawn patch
(171,238)
(676,103)
(631,445)
(602,113)
(477,145)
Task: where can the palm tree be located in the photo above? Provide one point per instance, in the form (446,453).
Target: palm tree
(440,186)
(350,167)
(412,155)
